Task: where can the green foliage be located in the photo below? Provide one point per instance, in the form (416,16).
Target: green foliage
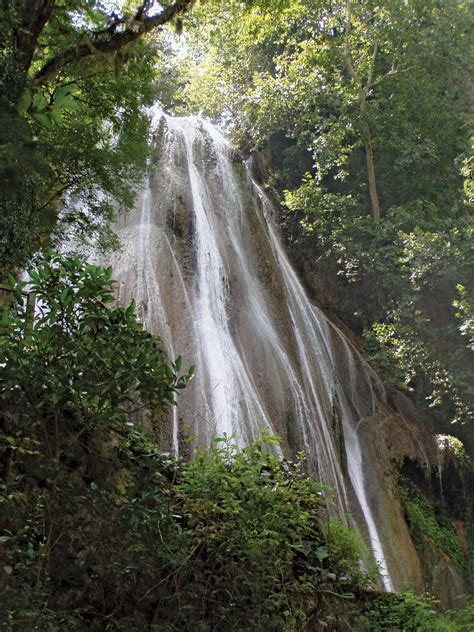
(261,554)
(464,618)
(77,365)
(465,314)
(283,65)
(73,130)
(453,451)
(344,548)
(96,151)
(78,376)
(235,540)
(407,612)
(423,523)
(399,282)
(101,529)
(421,331)
(412,267)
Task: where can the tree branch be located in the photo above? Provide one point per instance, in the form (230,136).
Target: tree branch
(391,73)
(346,55)
(372,66)
(93,43)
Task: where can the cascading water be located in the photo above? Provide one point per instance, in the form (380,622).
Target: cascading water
(202,259)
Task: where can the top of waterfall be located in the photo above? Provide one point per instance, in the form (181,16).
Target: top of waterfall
(192,124)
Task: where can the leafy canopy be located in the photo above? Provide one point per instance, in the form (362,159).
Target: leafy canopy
(75,78)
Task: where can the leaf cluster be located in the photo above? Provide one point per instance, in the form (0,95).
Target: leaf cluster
(392,612)
(73,366)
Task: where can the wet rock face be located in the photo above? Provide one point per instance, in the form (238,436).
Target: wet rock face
(388,439)
(444,554)
(441,577)
(402,450)
(202,259)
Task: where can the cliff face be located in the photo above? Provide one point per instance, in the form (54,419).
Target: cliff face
(401,447)
(202,258)
(397,445)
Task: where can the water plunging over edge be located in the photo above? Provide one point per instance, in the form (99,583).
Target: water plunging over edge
(259,358)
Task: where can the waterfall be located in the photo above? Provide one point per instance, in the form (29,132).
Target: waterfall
(202,258)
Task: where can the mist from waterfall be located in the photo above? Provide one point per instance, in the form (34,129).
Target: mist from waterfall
(202,258)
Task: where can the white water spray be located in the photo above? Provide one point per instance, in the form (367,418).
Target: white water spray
(211,278)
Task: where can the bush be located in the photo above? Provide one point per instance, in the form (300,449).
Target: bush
(262,556)
(407,612)
(233,540)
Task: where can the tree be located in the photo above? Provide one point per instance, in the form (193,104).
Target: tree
(351,83)
(77,369)
(74,77)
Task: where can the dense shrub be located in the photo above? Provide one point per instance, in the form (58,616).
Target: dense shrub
(407,612)
(99,528)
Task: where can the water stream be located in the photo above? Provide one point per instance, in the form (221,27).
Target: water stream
(210,276)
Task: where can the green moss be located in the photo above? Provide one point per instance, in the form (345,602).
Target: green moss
(424,524)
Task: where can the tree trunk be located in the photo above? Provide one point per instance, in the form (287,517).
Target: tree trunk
(363,88)
(34,17)
(369,156)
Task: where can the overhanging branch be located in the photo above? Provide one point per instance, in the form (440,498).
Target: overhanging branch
(94,43)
